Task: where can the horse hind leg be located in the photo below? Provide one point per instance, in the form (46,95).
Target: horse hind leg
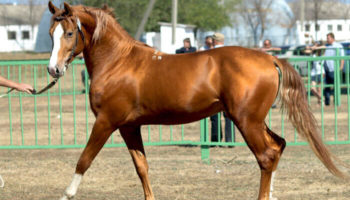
(267,155)
(282,145)
(133,139)
(267,147)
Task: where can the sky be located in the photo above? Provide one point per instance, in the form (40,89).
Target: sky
(344,1)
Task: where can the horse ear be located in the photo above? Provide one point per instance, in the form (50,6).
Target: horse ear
(53,9)
(67,9)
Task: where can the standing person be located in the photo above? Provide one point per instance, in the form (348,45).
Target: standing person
(219,40)
(333,48)
(267,47)
(82,74)
(187,48)
(209,44)
(316,74)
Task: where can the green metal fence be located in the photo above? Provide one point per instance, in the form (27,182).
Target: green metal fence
(61,117)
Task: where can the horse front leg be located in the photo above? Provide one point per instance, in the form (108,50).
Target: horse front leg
(133,139)
(100,133)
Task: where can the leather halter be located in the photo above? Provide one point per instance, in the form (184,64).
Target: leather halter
(76,39)
(60,18)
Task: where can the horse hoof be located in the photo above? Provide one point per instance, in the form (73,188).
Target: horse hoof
(65,197)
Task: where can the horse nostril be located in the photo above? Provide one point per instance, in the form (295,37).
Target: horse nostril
(57,71)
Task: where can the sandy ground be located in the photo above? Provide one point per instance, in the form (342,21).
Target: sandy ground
(175,173)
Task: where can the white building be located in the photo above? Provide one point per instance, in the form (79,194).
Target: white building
(163,40)
(307,31)
(19,27)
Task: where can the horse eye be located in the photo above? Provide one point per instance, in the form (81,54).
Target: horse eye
(69,34)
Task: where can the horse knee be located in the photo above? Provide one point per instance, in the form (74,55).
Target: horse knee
(141,170)
(140,162)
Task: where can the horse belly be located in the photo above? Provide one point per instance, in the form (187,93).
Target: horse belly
(179,112)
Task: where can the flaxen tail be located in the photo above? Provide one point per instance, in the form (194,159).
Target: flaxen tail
(294,101)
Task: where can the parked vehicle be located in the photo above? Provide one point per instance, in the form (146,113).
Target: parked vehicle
(346,46)
(297,52)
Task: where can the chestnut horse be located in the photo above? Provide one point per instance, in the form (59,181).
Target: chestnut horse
(132,84)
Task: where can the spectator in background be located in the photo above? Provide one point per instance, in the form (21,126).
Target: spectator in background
(316,71)
(209,44)
(267,47)
(187,48)
(219,40)
(22,87)
(82,74)
(333,48)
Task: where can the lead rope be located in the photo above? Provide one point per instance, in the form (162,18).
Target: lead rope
(46,88)
(34,92)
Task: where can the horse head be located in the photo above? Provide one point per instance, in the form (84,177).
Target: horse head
(67,39)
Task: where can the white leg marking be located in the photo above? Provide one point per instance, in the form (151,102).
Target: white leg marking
(57,34)
(2,182)
(73,187)
(271,186)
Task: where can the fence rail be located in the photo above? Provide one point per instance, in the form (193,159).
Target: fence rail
(61,117)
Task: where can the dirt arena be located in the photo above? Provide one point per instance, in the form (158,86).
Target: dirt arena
(176,172)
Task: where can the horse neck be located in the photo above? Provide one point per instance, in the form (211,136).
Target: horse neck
(108,49)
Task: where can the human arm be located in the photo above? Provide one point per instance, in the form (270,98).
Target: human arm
(275,49)
(315,47)
(22,87)
(270,49)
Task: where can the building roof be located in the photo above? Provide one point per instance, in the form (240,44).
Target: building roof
(21,14)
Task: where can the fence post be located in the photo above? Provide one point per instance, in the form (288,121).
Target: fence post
(205,151)
(337,92)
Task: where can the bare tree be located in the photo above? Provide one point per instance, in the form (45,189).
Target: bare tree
(316,10)
(343,7)
(287,21)
(255,13)
(32,15)
(317,6)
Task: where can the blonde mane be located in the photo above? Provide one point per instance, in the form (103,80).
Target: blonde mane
(104,19)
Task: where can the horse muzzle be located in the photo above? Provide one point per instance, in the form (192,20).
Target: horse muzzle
(56,71)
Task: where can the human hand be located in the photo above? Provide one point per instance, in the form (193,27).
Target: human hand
(22,87)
